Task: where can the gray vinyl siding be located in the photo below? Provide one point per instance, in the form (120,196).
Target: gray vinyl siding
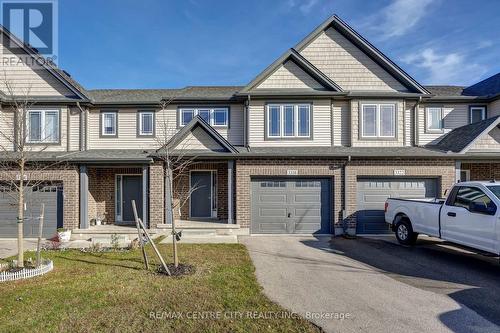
(341,123)
(199,139)
(166,125)
(7,128)
(321,129)
(348,66)
(358,141)
(493,109)
(489,142)
(27,79)
(74,129)
(409,123)
(454,115)
(289,76)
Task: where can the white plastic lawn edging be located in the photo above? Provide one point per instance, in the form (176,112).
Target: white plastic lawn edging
(26,273)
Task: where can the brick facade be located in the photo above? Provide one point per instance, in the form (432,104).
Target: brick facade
(181,189)
(444,170)
(483,171)
(156,194)
(65,174)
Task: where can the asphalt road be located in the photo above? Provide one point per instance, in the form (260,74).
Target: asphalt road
(379,285)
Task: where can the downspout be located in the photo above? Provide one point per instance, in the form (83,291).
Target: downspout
(82,122)
(415,121)
(245,127)
(345,226)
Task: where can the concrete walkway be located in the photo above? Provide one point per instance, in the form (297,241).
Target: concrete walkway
(341,278)
(8,246)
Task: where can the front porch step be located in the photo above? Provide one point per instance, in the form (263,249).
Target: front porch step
(193,239)
(105,232)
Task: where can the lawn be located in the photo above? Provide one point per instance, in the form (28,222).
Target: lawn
(91,292)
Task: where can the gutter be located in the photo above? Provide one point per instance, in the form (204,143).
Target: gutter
(344,194)
(415,122)
(245,119)
(82,125)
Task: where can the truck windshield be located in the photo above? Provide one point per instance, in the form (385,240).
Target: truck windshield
(495,190)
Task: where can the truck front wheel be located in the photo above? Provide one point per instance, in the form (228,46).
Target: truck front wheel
(404,232)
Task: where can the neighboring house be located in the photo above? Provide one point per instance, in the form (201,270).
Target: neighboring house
(314,144)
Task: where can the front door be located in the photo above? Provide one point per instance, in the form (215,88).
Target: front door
(201,195)
(131,190)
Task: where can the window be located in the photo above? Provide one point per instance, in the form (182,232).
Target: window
(434,117)
(477,113)
(378,120)
(146,123)
(495,189)
(288,120)
(43,126)
(108,123)
(474,200)
(275,183)
(213,116)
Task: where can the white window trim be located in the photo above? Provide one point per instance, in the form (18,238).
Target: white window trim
(43,134)
(115,122)
(141,114)
(282,123)
(377,121)
(211,118)
(427,120)
(483,112)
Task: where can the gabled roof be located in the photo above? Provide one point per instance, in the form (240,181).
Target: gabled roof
(460,139)
(358,40)
(299,60)
(197,122)
(155,96)
(487,87)
(447,91)
(58,73)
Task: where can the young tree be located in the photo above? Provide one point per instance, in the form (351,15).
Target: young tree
(177,163)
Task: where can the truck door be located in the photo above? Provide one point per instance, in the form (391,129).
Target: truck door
(469,217)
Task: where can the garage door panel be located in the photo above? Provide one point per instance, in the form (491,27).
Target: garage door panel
(307,228)
(273,227)
(272,212)
(306,198)
(269,198)
(307,212)
(304,206)
(372,194)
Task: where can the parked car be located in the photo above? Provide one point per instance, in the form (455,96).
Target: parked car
(470,216)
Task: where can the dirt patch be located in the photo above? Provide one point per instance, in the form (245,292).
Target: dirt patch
(180,270)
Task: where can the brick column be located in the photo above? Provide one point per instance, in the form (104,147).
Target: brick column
(156,194)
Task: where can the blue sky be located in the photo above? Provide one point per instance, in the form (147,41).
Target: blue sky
(168,44)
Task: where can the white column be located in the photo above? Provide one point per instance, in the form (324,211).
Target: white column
(458,169)
(84,197)
(145,169)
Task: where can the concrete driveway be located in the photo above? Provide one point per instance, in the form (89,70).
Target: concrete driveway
(379,285)
(8,246)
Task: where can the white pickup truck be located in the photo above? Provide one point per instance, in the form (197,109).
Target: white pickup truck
(469,216)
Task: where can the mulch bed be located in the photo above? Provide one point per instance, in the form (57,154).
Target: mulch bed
(180,270)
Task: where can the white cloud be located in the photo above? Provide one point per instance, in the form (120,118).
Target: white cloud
(398,18)
(305,6)
(450,68)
